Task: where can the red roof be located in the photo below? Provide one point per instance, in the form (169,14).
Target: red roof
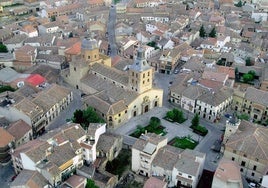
(35,79)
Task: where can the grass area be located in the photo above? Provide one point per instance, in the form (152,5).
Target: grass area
(6,88)
(200,130)
(183,143)
(160,130)
(119,164)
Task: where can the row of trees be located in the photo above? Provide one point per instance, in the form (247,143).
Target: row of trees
(202,32)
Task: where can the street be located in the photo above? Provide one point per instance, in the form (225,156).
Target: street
(6,173)
(111,31)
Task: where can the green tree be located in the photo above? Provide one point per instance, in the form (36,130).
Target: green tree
(53,18)
(170,115)
(154,122)
(195,121)
(91,184)
(253,73)
(78,117)
(239,4)
(248,61)
(86,116)
(71,35)
(3,48)
(178,116)
(247,78)
(213,33)
(202,32)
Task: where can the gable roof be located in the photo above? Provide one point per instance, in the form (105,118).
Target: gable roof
(5,137)
(251,140)
(18,129)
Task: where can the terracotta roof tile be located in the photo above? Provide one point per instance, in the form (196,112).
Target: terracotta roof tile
(5,137)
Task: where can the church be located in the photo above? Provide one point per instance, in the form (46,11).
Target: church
(116,95)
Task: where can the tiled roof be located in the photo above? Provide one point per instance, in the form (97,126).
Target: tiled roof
(112,91)
(257,96)
(251,140)
(217,76)
(152,138)
(5,137)
(35,79)
(106,142)
(228,171)
(28,178)
(111,73)
(18,129)
(29,108)
(154,182)
(167,157)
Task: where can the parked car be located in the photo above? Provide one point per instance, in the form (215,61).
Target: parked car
(228,116)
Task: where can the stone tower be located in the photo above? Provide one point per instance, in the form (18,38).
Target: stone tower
(231,127)
(140,74)
(90,50)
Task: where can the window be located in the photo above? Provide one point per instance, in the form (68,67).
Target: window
(189,176)
(88,57)
(254,167)
(241,169)
(243,163)
(252,174)
(125,111)
(233,158)
(143,75)
(74,68)
(245,155)
(119,115)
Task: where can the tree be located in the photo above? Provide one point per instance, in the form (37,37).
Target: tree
(71,35)
(202,32)
(248,61)
(170,115)
(155,122)
(253,73)
(53,18)
(195,121)
(91,184)
(213,33)
(84,117)
(3,48)
(247,78)
(239,4)
(78,117)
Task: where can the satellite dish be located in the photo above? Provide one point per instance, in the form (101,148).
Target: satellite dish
(20,84)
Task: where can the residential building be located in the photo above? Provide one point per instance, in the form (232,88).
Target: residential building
(56,155)
(247,147)
(29,178)
(53,100)
(188,169)
(89,144)
(144,151)
(155,182)
(37,110)
(51,27)
(6,143)
(15,107)
(75,181)
(212,105)
(253,102)
(29,30)
(169,60)
(116,95)
(227,175)
(21,131)
(24,57)
(17,41)
(109,145)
